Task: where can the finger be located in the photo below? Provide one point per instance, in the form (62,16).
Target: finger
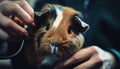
(93,63)
(3,35)
(11,33)
(16,10)
(8,24)
(18,21)
(80,56)
(24,4)
(23,15)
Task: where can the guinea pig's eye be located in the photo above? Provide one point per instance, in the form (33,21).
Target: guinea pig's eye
(47,26)
(69,30)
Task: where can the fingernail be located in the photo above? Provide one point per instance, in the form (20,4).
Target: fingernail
(26,34)
(33,24)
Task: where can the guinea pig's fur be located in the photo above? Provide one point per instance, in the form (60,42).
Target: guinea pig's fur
(59,34)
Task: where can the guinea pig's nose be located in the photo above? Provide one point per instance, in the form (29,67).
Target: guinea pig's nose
(54,44)
(54,48)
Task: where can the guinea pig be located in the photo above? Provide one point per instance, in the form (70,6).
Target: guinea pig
(58,34)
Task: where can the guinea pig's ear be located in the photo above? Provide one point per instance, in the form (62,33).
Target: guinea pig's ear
(78,25)
(40,18)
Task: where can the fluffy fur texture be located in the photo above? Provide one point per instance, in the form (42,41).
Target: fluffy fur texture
(60,34)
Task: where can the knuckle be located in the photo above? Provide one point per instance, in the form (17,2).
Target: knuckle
(22,2)
(94,49)
(5,2)
(14,6)
(76,57)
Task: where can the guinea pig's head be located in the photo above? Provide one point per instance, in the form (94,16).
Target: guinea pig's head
(59,32)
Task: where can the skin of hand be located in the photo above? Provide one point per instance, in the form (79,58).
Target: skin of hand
(13,15)
(92,57)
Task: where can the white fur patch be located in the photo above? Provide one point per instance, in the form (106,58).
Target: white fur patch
(78,37)
(58,18)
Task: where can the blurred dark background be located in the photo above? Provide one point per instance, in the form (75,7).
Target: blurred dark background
(103,16)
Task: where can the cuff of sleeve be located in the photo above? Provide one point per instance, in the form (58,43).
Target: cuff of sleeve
(117,57)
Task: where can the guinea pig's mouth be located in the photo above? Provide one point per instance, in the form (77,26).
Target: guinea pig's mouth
(55,56)
(49,62)
(52,59)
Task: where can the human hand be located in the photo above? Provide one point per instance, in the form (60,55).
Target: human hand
(89,58)
(13,15)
